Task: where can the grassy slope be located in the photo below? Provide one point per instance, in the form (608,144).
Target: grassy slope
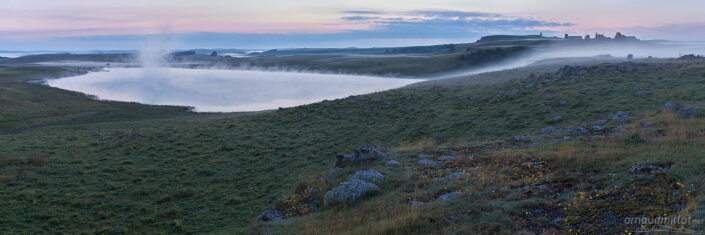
(134,170)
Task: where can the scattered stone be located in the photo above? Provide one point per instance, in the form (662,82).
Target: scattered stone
(368,175)
(455,175)
(671,106)
(531,164)
(562,102)
(557,118)
(550,130)
(600,122)
(416,203)
(676,193)
(619,116)
(542,187)
(447,196)
(647,169)
(270,215)
(598,128)
(392,163)
(424,156)
(368,153)
(342,160)
(687,112)
(429,162)
(520,138)
(645,124)
(126,162)
(349,191)
(578,130)
(642,93)
(461,122)
(448,158)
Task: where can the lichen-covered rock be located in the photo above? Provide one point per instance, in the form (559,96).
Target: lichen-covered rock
(368,175)
(647,169)
(671,106)
(429,162)
(687,112)
(270,215)
(349,191)
(392,163)
(368,153)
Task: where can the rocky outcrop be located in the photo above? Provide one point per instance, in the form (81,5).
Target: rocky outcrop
(349,191)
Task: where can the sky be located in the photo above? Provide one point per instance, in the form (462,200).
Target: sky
(266,24)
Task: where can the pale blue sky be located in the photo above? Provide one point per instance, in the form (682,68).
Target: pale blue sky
(103,24)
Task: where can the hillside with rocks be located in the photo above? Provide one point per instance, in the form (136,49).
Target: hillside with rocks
(614,155)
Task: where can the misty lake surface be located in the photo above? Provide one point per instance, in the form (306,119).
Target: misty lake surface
(223,90)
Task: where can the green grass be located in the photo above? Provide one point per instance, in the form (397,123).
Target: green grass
(155,169)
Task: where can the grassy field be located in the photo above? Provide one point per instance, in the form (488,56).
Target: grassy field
(130,168)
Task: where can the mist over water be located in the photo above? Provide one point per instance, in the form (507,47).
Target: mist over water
(223,90)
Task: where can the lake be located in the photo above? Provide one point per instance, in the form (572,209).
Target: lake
(223,90)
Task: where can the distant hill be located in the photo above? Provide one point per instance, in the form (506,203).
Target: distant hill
(494,38)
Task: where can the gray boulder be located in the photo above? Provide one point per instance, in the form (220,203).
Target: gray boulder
(671,106)
(270,215)
(687,112)
(429,162)
(349,191)
(368,153)
(520,138)
(368,175)
(447,196)
(392,163)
